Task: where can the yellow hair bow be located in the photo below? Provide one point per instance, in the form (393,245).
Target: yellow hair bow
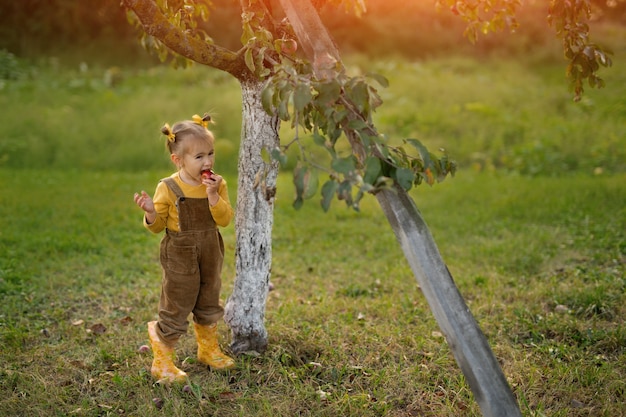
(202,121)
(171,136)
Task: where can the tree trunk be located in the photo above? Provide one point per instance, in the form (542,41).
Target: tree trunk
(245,308)
(467,342)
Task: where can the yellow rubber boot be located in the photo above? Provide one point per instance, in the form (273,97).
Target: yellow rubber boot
(163,368)
(209,352)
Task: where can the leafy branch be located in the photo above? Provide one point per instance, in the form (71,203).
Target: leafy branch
(566,16)
(337,108)
(585,58)
(483,16)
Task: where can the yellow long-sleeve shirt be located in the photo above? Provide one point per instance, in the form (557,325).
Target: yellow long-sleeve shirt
(165,205)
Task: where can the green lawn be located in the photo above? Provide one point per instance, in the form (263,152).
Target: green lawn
(532,229)
(539,261)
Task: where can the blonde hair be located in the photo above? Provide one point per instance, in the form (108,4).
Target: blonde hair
(178,134)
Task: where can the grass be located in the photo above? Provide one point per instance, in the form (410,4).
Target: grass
(496,113)
(540,263)
(532,229)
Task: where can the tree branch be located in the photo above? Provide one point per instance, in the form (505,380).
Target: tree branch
(195,49)
(317,45)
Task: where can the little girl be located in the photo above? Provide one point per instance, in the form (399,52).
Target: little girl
(189,205)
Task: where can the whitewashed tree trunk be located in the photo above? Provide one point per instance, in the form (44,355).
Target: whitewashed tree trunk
(245,308)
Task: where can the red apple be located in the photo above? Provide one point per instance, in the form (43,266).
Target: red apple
(143,349)
(289,46)
(207,173)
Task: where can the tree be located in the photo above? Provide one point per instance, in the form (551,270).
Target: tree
(172,27)
(313,92)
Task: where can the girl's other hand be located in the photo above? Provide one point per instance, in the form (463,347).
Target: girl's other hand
(144,201)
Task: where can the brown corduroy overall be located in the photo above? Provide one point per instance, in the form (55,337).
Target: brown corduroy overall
(192,265)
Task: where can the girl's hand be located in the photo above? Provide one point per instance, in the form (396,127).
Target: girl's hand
(212,187)
(144,201)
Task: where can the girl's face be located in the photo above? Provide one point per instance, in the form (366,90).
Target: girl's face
(198,155)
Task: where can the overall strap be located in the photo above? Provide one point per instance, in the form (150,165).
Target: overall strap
(173,186)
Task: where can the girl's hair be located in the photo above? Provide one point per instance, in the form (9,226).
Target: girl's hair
(178,134)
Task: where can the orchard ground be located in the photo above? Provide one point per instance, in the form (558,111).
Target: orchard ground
(532,229)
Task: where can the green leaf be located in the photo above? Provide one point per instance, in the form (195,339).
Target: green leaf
(344,165)
(298,202)
(357,200)
(357,124)
(328,92)
(375,100)
(267,97)
(372,170)
(339,115)
(379,79)
(382,149)
(311,184)
(302,96)
(344,192)
(328,191)
(405,178)
(360,96)
(319,139)
(279,156)
(422,150)
(283,110)
(306,182)
(334,134)
(249,59)
(298,180)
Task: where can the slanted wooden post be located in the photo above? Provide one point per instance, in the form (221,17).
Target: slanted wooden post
(465,339)
(467,342)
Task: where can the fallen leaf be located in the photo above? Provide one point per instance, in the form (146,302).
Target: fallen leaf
(158,403)
(79,364)
(227,395)
(323,394)
(98,328)
(561,309)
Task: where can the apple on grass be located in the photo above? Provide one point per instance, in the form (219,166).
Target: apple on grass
(143,349)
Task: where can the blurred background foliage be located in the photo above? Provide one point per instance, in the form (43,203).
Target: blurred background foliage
(416,29)
(77,90)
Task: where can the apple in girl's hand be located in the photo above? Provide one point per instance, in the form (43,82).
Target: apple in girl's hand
(207,173)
